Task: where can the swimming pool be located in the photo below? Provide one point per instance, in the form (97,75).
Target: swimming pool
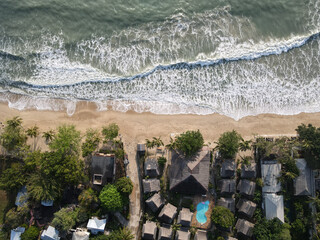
(202,208)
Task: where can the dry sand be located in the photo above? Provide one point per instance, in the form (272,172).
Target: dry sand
(136,127)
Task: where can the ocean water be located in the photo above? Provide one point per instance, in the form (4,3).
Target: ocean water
(236,58)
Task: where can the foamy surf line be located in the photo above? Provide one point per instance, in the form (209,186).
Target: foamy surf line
(24,102)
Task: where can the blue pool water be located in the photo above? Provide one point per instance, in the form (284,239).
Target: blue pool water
(202,208)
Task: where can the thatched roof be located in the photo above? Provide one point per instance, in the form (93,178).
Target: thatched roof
(155,202)
(182,234)
(246,188)
(168,213)
(165,233)
(227,186)
(151,185)
(149,230)
(227,203)
(151,167)
(246,207)
(270,174)
(201,235)
(302,184)
(228,168)
(190,175)
(185,217)
(244,227)
(273,206)
(249,171)
(103,165)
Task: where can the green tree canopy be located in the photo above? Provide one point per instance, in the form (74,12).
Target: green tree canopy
(87,198)
(228,144)
(110,198)
(48,136)
(271,229)
(91,143)
(64,219)
(110,132)
(189,142)
(13,178)
(32,233)
(310,138)
(124,185)
(222,217)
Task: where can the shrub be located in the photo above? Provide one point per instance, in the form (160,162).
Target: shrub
(87,197)
(228,144)
(162,161)
(189,142)
(91,143)
(110,132)
(110,198)
(222,217)
(64,219)
(124,185)
(32,233)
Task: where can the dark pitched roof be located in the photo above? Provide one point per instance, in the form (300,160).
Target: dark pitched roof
(182,234)
(103,164)
(227,203)
(151,167)
(246,207)
(149,230)
(185,217)
(227,186)
(246,187)
(165,233)
(244,227)
(228,168)
(151,185)
(249,171)
(190,175)
(155,202)
(201,235)
(302,184)
(168,213)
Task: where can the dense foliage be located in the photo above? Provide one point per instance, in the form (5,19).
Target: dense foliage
(64,219)
(91,142)
(124,185)
(222,217)
(87,198)
(32,233)
(189,142)
(271,229)
(120,234)
(228,144)
(110,198)
(110,132)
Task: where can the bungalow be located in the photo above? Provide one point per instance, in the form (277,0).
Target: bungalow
(246,188)
(16,233)
(182,234)
(228,169)
(103,168)
(190,175)
(80,235)
(246,207)
(185,217)
(165,233)
(244,227)
(302,184)
(227,186)
(227,203)
(151,168)
(270,174)
(273,206)
(155,202)
(249,171)
(151,185)
(200,235)
(50,234)
(168,213)
(95,225)
(149,230)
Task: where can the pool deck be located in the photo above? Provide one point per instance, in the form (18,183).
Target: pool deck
(196,201)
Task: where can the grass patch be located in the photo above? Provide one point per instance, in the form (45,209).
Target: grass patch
(3,205)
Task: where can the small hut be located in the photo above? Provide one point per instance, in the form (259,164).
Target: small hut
(155,202)
(149,231)
(151,168)
(244,227)
(50,234)
(246,188)
(246,207)
(168,213)
(151,185)
(228,169)
(165,233)
(227,203)
(96,225)
(227,186)
(185,217)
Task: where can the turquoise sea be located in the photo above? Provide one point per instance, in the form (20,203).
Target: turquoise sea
(232,57)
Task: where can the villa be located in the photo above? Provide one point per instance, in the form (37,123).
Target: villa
(273,206)
(103,168)
(80,235)
(270,174)
(302,183)
(95,225)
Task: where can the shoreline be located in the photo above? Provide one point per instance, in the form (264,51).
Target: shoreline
(137,127)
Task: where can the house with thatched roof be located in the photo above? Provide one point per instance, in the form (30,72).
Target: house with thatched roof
(249,171)
(227,203)
(246,187)
(50,234)
(151,185)
(190,175)
(165,233)
(168,213)
(270,174)
(228,169)
(244,227)
(201,235)
(273,206)
(182,234)
(185,217)
(227,186)
(302,183)
(246,207)
(103,168)
(151,168)
(155,202)
(149,231)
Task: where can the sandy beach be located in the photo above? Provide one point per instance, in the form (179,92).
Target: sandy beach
(137,127)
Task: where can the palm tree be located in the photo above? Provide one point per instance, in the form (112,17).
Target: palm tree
(124,234)
(157,142)
(175,227)
(171,145)
(14,122)
(48,136)
(244,145)
(33,132)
